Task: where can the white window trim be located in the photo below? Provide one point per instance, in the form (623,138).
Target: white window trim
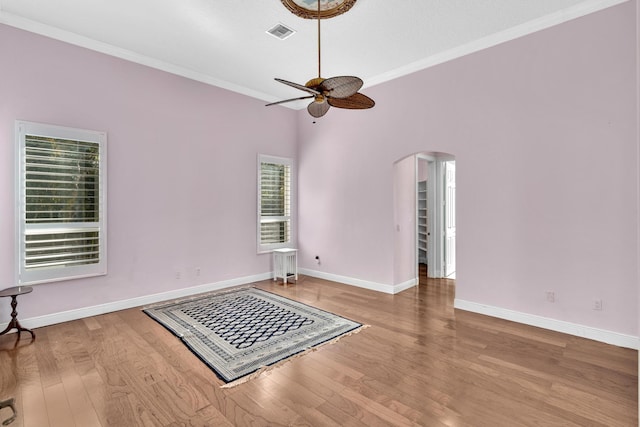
(267,248)
(44,275)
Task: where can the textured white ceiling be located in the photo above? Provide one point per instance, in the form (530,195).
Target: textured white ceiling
(224,42)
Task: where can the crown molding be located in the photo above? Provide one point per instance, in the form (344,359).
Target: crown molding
(513,33)
(547,21)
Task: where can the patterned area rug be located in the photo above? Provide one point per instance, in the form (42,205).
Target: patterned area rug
(241,331)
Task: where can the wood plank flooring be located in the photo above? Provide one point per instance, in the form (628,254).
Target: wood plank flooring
(419,363)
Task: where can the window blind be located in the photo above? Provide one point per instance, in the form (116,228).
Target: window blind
(62,186)
(61,180)
(274,203)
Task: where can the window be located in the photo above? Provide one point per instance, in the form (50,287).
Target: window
(274,203)
(60,203)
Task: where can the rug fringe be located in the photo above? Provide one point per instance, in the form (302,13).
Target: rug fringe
(264,369)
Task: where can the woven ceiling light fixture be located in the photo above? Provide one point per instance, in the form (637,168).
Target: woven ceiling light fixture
(309,10)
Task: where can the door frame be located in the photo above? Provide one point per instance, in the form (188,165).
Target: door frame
(423,157)
(449,218)
(435,212)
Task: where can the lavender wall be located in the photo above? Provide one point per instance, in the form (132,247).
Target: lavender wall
(181,160)
(544,133)
(638,153)
(544,130)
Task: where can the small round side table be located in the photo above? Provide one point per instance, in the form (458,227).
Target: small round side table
(13,323)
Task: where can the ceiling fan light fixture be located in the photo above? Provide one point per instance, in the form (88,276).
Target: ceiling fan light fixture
(318,107)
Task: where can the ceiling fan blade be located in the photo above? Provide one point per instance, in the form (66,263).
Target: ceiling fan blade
(298,86)
(356,101)
(341,86)
(318,108)
(289,100)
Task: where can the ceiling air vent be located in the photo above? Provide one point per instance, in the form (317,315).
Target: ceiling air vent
(280,31)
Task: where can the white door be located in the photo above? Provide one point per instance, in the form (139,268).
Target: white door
(449,218)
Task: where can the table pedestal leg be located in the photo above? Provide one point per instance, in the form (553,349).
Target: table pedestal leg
(14,324)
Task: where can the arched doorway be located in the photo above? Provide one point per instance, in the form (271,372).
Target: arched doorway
(424,216)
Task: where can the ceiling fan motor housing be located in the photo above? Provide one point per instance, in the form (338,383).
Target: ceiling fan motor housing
(315,82)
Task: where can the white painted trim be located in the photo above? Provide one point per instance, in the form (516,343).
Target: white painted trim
(416,223)
(601,335)
(405,285)
(80,313)
(429,159)
(435,201)
(581,9)
(596,334)
(374,286)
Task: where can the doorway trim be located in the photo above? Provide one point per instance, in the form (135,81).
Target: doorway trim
(435,212)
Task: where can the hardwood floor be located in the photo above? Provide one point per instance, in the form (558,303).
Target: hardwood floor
(419,363)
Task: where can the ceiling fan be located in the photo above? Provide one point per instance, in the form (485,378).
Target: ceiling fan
(339,92)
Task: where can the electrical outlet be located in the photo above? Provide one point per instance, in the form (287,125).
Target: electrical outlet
(597,304)
(178,275)
(551,296)
(197,271)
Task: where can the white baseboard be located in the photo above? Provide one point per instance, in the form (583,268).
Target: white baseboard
(406,285)
(80,313)
(374,286)
(601,335)
(614,338)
